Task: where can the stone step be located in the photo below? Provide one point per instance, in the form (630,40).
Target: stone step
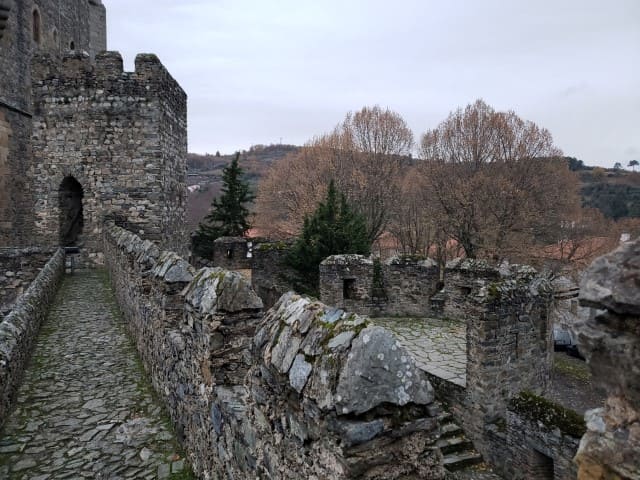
(450,430)
(460,460)
(445,417)
(459,443)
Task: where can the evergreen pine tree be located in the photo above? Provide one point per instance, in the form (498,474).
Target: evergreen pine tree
(333,228)
(228,216)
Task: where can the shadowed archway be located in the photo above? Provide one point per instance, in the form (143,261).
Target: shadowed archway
(70,196)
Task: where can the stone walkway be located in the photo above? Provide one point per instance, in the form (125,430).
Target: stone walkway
(438,346)
(85,409)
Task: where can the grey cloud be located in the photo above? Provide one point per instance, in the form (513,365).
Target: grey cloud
(258,70)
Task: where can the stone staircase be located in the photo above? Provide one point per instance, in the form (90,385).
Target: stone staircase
(456,448)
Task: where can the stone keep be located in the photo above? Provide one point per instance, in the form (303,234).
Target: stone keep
(28,27)
(117,140)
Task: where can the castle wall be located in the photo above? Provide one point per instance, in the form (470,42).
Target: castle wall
(509,342)
(122,136)
(402,286)
(506,312)
(60,23)
(270,276)
(18,268)
(307,391)
(523,448)
(19,329)
(230,253)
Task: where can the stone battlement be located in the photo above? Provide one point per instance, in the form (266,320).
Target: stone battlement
(105,73)
(305,391)
(107,144)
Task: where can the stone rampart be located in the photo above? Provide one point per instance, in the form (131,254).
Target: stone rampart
(505,312)
(19,329)
(18,268)
(305,391)
(402,286)
(270,276)
(116,142)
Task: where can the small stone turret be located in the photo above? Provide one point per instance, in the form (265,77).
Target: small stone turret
(118,138)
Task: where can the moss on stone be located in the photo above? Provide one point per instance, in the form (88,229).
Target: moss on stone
(267,247)
(552,415)
(494,293)
(571,367)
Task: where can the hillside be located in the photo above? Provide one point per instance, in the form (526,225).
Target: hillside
(205,175)
(614,192)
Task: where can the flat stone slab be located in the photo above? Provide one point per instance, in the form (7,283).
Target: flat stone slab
(85,409)
(439,347)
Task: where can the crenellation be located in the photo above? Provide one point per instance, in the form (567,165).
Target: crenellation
(109,65)
(75,64)
(91,121)
(305,391)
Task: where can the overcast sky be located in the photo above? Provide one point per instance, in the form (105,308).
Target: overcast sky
(265,71)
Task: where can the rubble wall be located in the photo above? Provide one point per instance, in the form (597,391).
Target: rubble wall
(305,391)
(270,276)
(18,330)
(18,268)
(401,287)
(536,439)
(610,342)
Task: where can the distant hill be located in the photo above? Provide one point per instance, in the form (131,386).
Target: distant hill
(205,174)
(615,192)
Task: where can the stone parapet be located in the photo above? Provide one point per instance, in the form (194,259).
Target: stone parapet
(18,268)
(19,329)
(610,341)
(305,391)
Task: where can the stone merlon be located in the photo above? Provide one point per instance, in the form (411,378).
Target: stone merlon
(346,364)
(79,66)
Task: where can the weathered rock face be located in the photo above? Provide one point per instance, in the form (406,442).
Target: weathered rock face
(307,391)
(344,389)
(610,341)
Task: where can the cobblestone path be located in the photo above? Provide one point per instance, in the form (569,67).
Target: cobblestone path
(439,347)
(85,409)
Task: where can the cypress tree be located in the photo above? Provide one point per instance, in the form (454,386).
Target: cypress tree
(333,228)
(228,216)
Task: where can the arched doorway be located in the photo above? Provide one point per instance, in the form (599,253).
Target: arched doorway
(71,220)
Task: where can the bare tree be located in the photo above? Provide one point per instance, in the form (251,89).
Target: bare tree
(413,223)
(365,155)
(584,236)
(497,180)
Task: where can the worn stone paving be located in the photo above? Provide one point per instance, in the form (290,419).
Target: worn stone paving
(85,409)
(438,346)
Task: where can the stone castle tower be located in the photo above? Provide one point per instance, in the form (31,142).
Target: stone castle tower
(82,141)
